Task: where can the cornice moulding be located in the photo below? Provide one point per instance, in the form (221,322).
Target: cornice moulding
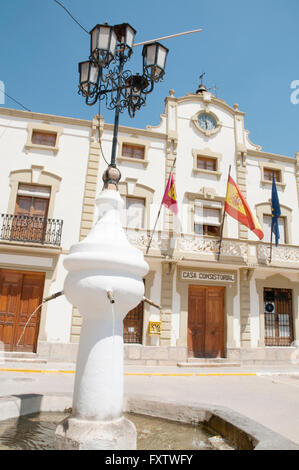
(43,117)
(271,156)
(216,101)
(134,130)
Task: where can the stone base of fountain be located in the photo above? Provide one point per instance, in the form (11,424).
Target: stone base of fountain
(78,434)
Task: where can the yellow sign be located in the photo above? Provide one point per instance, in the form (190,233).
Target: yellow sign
(154,327)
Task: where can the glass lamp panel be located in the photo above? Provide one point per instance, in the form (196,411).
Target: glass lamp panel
(83,69)
(136,91)
(161,58)
(150,55)
(94,38)
(103,39)
(93,73)
(130,35)
(113,41)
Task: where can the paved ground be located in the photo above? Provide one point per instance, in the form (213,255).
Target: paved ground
(268,395)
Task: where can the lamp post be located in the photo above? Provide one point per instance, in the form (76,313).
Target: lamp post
(103,77)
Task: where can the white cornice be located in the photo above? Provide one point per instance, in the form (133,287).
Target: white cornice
(214,100)
(136,131)
(45,117)
(271,156)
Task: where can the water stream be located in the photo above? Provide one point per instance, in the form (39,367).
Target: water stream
(27,322)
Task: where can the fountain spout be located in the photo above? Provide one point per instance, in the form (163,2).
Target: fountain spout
(110,296)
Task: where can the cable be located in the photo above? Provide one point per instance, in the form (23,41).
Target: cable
(82,27)
(14,100)
(100,142)
(69,13)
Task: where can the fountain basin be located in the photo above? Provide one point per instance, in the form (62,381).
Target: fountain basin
(36,432)
(242,432)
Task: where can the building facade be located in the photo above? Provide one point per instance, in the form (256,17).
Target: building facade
(238,305)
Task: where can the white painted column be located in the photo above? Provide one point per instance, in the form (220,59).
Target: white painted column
(104,282)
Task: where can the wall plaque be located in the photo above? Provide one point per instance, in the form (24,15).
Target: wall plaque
(207,276)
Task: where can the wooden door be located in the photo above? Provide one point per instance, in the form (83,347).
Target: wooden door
(20,294)
(196,321)
(133,323)
(206,321)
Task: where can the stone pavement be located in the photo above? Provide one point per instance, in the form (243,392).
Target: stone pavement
(266,394)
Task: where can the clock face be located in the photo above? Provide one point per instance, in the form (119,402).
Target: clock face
(207,122)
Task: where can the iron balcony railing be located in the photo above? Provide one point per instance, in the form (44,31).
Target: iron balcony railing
(22,228)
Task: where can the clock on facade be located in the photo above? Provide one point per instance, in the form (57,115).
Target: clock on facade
(207,122)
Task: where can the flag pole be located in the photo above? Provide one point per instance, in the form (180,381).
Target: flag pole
(154,229)
(223,219)
(271,238)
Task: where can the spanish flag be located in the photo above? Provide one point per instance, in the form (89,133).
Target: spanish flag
(237,207)
(170,198)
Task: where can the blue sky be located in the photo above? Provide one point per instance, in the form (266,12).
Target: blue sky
(249,49)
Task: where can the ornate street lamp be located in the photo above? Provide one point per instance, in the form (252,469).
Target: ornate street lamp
(103,77)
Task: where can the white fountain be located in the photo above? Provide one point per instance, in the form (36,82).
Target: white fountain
(104,281)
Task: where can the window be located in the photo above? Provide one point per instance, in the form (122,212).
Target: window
(133,324)
(267,219)
(267,171)
(44,138)
(135,212)
(133,151)
(32,201)
(207,219)
(278,317)
(30,218)
(268,175)
(204,163)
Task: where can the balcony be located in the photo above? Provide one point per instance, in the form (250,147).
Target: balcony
(233,251)
(25,229)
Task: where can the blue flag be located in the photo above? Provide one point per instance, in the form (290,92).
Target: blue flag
(276,212)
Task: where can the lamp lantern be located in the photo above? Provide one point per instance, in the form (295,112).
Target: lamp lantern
(136,85)
(103,42)
(125,35)
(89,75)
(154,60)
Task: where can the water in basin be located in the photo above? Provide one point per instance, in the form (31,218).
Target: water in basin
(36,432)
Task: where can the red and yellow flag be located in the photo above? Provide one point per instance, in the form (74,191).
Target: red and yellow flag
(170,198)
(237,207)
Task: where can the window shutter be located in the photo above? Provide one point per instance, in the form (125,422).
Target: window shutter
(206,215)
(135,208)
(34,191)
(267,229)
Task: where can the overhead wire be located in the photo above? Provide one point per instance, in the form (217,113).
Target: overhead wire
(79,24)
(84,29)
(70,14)
(10,97)
(100,142)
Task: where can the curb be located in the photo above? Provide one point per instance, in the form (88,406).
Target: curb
(159,374)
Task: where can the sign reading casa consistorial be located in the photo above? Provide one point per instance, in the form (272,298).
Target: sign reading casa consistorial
(208,276)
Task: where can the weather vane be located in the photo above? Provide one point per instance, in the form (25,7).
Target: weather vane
(201,77)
